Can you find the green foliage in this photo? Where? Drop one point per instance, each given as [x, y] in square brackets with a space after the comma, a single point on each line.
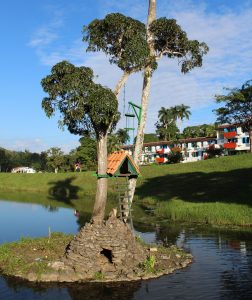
[120, 37]
[32, 255]
[180, 112]
[150, 137]
[171, 41]
[122, 136]
[237, 106]
[11, 159]
[205, 130]
[99, 275]
[175, 156]
[125, 41]
[149, 264]
[83, 105]
[86, 153]
[55, 159]
[212, 151]
[166, 126]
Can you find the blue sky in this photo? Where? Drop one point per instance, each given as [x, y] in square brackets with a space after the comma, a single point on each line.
[37, 34]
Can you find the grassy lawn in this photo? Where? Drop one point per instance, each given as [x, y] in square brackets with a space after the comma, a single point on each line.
[216, 191]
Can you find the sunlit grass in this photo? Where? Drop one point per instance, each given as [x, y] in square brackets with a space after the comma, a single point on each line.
[216, 191]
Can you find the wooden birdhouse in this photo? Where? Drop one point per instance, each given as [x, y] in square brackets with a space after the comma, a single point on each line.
[121, 164]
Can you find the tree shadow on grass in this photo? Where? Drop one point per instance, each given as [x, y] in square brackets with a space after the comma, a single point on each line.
[64, 190]
[228, 187]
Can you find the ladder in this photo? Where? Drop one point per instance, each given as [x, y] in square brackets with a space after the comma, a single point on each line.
[124, 205]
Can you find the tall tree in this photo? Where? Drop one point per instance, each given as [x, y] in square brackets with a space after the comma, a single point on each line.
[83, 106]
[181, 112]
[166, 126]
[237, 108]
[134, 47]
[165, 38]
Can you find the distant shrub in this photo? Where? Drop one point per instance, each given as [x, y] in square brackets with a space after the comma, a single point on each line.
[213, 151]
[175, 156]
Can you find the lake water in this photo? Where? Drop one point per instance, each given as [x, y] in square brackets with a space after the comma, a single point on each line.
[222, 267]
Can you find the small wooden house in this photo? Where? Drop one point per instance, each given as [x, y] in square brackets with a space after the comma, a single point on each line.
[121, 164]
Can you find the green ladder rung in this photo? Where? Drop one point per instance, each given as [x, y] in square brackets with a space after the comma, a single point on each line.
[130, 115]
[129, 128]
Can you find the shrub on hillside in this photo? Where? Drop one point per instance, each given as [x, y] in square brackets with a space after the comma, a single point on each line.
[213, 151]
[175, 156]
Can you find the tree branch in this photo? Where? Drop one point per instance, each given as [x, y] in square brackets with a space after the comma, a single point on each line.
[120, 83]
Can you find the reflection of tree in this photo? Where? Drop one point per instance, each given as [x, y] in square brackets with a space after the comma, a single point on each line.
[73, 291]
[122, 291]
[236, 284]
[50, 208]
[64, 190]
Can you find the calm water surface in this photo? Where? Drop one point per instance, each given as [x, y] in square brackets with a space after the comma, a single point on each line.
[222, 267]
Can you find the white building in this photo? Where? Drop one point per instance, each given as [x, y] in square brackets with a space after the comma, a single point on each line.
[193, 149]
[23, 170]
[229, 136]
[232, 138]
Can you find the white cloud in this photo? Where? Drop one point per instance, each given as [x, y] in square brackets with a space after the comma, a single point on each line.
[36, 145]
[31, 144]
[229, 62]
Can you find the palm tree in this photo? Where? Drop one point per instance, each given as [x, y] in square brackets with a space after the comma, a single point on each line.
[181, 112]
[166, 118]
[122, 136]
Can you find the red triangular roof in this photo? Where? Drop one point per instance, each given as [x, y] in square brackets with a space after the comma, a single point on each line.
[115, 159]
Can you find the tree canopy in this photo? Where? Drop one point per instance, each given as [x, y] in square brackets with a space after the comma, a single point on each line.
[204, 130]
[120, 37]
[83, 105]
[124, 39]
[237, 107]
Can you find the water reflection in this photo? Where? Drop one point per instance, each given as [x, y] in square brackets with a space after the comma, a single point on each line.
[222, 267]
[64, 190]
[93, 291]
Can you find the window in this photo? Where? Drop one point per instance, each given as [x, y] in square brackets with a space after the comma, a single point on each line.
[245, 140]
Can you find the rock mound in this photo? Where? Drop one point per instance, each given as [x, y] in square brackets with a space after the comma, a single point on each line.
[107, 248]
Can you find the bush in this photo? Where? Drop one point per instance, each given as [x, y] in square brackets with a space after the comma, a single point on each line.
[175, 156]
[212, 151]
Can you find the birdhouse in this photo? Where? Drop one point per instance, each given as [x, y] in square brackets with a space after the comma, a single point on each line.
[121, 164]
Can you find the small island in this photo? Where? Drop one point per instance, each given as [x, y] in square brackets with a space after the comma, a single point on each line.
[109, 252]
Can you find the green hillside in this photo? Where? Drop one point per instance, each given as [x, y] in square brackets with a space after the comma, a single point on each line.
[216, 191]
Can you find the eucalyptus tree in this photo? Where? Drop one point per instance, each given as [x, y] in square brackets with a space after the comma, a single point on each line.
[237, 108]
[83, 106]
[134, 47]
[165, 38]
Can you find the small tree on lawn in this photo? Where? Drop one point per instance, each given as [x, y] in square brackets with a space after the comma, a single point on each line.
[237, 108]
[55, 159]
[83, 106]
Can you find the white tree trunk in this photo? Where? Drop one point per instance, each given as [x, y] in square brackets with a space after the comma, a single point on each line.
[145, 97]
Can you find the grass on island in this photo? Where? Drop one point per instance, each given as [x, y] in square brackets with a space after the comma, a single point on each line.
[32, 255]
[215, 191]
[29, 258]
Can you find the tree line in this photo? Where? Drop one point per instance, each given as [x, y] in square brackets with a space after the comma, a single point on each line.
[55, 160]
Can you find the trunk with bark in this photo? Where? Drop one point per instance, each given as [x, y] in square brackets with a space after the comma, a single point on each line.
[102, 182]
[145, 97]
